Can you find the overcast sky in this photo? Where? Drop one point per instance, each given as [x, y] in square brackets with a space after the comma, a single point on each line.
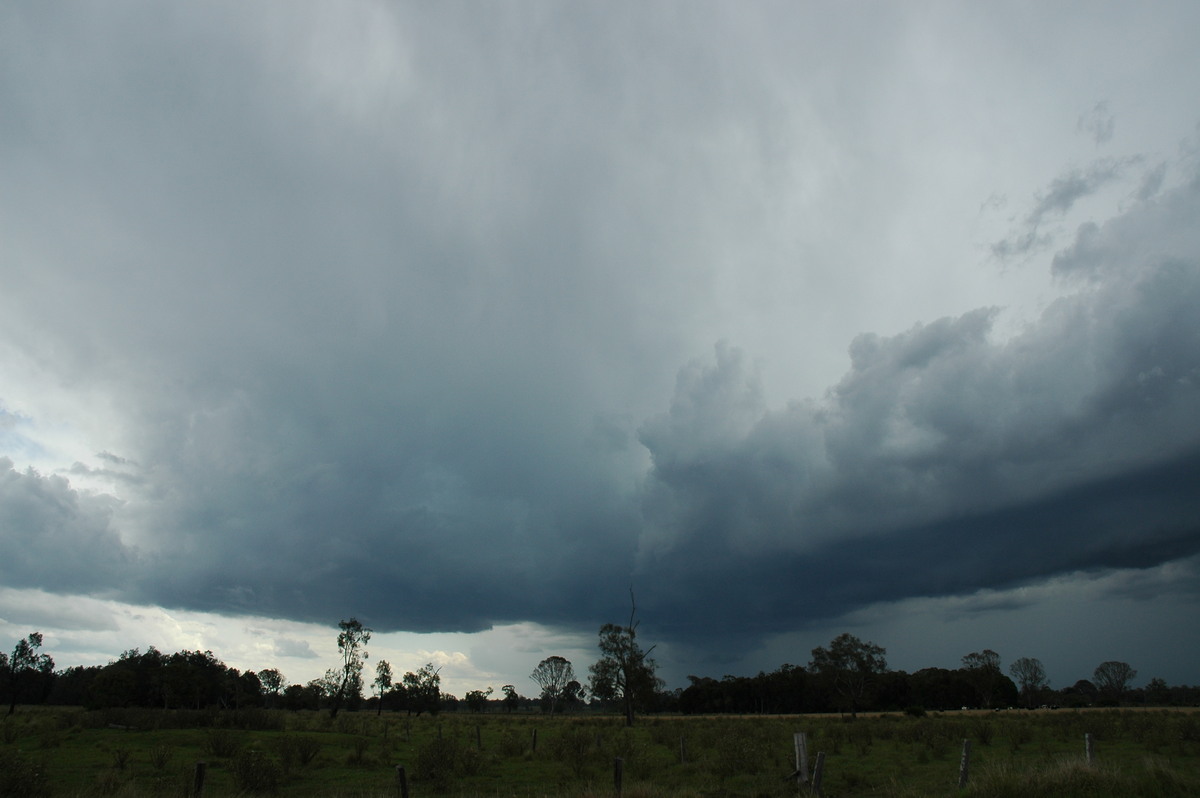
[463, 319]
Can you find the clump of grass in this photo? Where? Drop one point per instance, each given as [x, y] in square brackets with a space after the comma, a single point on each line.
[1018, 735]
[160, 756]
[221, 743]
[359, 755]
[120, 758]
[1074, 777]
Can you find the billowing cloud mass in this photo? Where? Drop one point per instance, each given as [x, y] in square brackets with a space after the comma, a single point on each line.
[454, 317]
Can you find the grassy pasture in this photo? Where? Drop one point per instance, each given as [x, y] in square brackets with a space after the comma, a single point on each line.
[138, 753]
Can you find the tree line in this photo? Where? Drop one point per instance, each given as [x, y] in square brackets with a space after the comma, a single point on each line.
[849, 676]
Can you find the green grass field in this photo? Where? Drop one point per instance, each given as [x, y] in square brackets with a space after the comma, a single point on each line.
[62, 752]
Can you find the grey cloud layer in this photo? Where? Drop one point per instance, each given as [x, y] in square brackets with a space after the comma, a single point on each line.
[944, 462]
[386, 324]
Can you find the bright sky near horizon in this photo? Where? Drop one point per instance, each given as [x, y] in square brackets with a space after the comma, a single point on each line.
[462, 319]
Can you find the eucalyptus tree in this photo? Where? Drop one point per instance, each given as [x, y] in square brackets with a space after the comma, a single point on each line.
[423, 689]
[273, 683]
[553, 674]
[624, 671]
[983, 671]
[346, 682]
[383, 681]
[24, 662]
[1113, 678]
[1030, 676]
[851, 666]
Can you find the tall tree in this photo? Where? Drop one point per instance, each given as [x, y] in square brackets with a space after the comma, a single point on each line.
[347, 682]
[512, 699]
[1030, 676]
[1112, 678]
[983, 671]
[852, 666]
[24, 662]
[624, 671]
[273, 683]
[477, 699]
[383, 681]
[553, 674]
[424, 689]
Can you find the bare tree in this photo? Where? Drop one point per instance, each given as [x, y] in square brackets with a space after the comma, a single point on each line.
[1030, 677]
[553, 674]
[1113, 678]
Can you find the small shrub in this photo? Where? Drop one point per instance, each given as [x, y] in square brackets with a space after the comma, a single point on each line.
[442, 759]
[51, 739]
[120, 757]
[109, 782]
[915, 712]
[1020, 734]
[22, 776]
[160, 756]
[573, 748]
[221, 743]
[8, 731]
[511, 743]
[359, 755]
[254, 771]
[296, 750]
[435, 761]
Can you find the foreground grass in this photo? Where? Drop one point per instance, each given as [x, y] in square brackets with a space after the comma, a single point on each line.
[137, 753]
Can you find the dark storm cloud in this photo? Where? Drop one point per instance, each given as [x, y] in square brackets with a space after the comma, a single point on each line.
[945, 462]
[383, 309]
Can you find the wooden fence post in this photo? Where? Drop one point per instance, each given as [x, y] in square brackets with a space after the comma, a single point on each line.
[478, 738]
[1089, 748]
[198, 779]
[402, 781]
[964, 766]
[618, 773]
[818, 772]
[682, 752]
[535, 739]
[800, 744]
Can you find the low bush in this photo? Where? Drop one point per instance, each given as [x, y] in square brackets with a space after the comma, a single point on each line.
[255, 772]
[443, 759]
[296, 750]
[221, 743]
[20, 775]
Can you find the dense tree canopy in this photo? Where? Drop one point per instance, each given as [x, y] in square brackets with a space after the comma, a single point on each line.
[851, 665]
[848, 675]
